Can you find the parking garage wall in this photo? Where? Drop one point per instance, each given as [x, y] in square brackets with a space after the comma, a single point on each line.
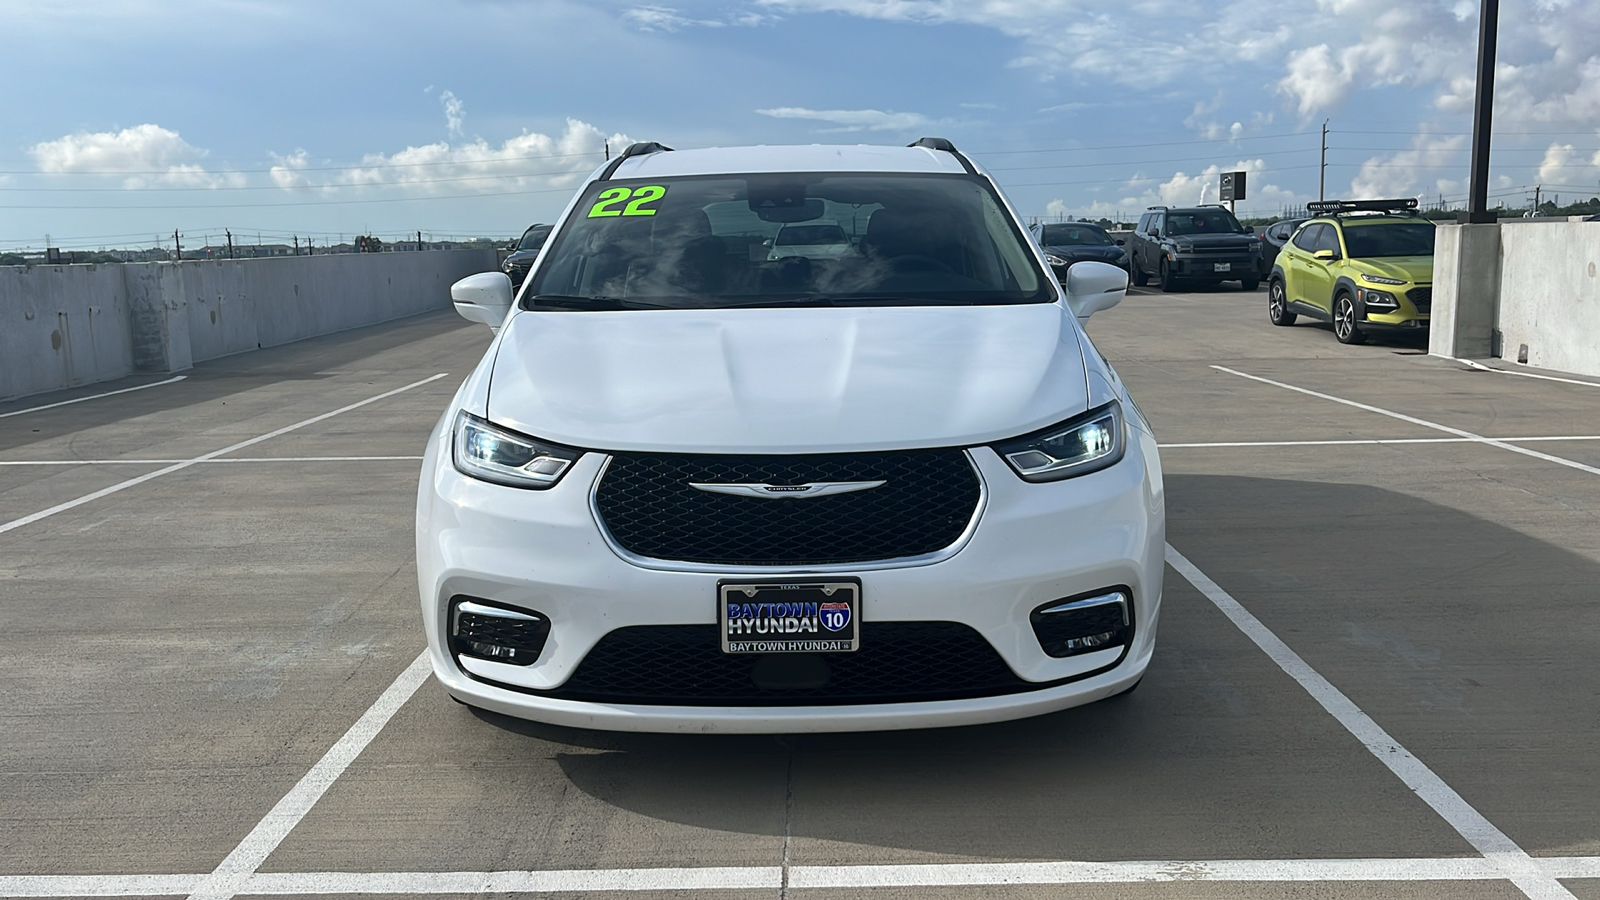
[62, 326]
[1549, 311]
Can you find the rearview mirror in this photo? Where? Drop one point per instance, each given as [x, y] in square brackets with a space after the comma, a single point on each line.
[1093, 286]
[484, 298]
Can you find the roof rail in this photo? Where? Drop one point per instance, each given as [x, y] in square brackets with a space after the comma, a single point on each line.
[939, 143]
[1338, 207]
[639, 149]
[1157, 207]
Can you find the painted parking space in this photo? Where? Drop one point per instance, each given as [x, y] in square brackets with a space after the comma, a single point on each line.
[243, 619]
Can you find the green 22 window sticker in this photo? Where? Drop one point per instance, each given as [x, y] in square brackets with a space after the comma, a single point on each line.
[640, 196]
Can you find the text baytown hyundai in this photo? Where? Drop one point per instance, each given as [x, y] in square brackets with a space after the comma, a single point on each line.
[698, 486]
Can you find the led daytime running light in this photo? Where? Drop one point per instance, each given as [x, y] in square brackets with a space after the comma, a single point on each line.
[493, 454]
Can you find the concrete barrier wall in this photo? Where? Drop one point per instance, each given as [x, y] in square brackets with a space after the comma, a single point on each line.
[67, 325]
[1550, 295]
[62, 325]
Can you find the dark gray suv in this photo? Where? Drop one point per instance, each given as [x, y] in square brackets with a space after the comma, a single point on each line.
[1193, 245]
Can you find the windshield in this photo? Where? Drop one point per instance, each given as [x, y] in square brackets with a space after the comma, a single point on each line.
[851, 239]
[1071, 235]
[534, 238]
[1209, 222]
[1389, 239]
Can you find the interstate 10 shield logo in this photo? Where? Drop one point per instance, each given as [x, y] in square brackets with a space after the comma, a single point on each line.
[834, 616]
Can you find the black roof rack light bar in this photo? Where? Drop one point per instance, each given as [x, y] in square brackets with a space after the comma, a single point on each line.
[640, 149]
[1334, 207]
[939, 143]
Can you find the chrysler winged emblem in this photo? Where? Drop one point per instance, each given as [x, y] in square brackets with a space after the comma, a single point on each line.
[789, 491]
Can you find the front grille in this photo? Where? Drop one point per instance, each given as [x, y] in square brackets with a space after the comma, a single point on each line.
[684, 665]
[928, 498]
[1219, 251]
[1421, 298]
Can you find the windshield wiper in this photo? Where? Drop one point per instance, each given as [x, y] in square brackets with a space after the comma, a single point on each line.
[829, 300]
[565, 301]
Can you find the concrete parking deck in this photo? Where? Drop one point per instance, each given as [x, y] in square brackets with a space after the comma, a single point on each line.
[1376, 674]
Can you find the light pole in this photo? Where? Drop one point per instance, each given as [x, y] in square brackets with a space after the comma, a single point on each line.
[1482, 114]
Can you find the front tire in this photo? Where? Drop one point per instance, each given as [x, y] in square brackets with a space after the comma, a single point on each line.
[1136, 273]
[1278, 304]
[1345, 328]
[1169, 282]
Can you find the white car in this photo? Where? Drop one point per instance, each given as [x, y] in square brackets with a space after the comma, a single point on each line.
[814, 240]
[692, 489]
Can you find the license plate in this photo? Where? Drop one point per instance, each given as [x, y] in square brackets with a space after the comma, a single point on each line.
[1223, 267]
[789, 616]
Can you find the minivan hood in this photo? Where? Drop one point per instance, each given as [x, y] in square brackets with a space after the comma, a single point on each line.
[787, 380]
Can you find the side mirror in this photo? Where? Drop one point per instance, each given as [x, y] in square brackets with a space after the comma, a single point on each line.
[484, 298]
[1325, 254]
[1093, 286]
[1121, 242]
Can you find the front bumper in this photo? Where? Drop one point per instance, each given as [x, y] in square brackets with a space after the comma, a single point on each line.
[1204, 265]
[545, 552]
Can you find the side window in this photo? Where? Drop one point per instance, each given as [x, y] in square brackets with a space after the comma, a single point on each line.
[1279, 231]
[1329, 239]
[1156, 221]
[1144, 224]
[1307, 238]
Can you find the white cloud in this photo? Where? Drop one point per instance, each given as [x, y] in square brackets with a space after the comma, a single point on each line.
[1398, 175]
[147, 154]
[455, 112]
[666, 18]
[1183, 189]
[528, 161]
[852, 119]
[289, 171]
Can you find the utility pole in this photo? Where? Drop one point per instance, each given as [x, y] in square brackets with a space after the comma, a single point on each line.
[1322, 170]
[177, 247]
[297, 245]
[607, 145]
[419, 239]
[1482, 115]
[229, 233]
[1537, 190]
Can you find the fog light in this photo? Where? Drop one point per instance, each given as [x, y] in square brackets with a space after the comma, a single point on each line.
[495, 633]
[1086, 623]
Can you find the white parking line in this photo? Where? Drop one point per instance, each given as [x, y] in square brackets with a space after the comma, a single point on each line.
[1511, 860]
[230, 459]
[207, 457]
[599, 881]
[232, 874]
[1482, 367]
[1360, 441]
[18, 412]
[1476, 438]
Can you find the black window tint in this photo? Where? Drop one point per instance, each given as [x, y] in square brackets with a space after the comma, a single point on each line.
[705, 242]
[1390, 239]
[1328, 239]
[1307, 238]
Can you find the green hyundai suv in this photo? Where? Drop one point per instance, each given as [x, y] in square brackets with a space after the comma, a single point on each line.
[1364, 265]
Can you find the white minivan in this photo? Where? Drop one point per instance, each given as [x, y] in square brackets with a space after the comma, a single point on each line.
[694, 488]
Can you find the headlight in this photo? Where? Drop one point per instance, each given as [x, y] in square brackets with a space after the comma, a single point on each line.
[486, 452]
[1083, 444]
[1054, 260]
[1379, 279]
[507, 266]
[1378, 298]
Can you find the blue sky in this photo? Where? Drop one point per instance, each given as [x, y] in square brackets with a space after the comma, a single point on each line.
[465, 117]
